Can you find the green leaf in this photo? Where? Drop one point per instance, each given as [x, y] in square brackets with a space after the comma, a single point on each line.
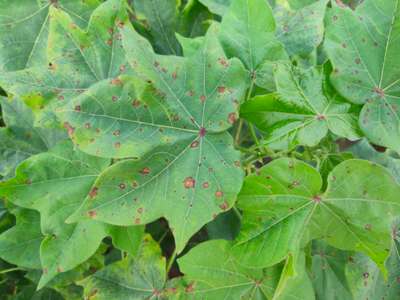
[162, 19]
[76, 60]
[16, 145]
[55, 183]
[301, 31]
[194, 19]
[187, 170]
[328, 271]
[301, 112]
[135, 277]
[283, 208]
[24, 27]
[219, 7]
[248, 33]
[20, 244]
[211, 272]
[388, 159]
[362, 46]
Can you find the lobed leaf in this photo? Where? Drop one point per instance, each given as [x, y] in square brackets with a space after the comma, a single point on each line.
[284, 209]
[362, 46]
[186, 168]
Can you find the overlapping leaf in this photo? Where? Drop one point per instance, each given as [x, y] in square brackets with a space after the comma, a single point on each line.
[301, 112]
[248, 33]
[20, 244]
[284, 208]
[21, 138]
[55, 183]
[302, 30]
[24, 27]
[76, 60]
[187, 170]
[162, 19]
[218, 7]
[135, 277]
[364, 50]
[211, 272]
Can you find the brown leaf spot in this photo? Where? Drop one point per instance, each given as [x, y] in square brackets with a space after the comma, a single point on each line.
[224, 206]
[92, 213]
[189, 182]
[140, 210]
[202, 132]
[379, 92]
[219, 194]
[117, 145]
[93, 192]
[202, 98]
[205, 185]
[116, 81]
[232, 118]
[87, 125]
[69, 128]
[357, 61]
[137, 221]
[117, 132]
[145, 171]
[221, 89]
[136, 103]
[77, 108]
[114, 98]
[317, 199]
[122, 186]
[194, 144]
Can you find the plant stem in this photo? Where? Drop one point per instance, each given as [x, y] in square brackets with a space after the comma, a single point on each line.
[171, 260]
[11, 270]
[237, 212]
[240, 126]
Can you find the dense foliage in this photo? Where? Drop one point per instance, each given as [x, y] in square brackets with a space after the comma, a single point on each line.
[200, 149]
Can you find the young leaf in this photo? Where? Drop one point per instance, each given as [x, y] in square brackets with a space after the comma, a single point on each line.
[362, 46]
[20, 244]
[187, 170]
[76, 60]
[135, 277]
[248, 32]
[24, 27]
[299, 113]
[283, 209]
[301, 31]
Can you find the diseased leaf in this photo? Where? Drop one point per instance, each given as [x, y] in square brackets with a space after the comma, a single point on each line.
[211, 272]
[388, 159]
[135, 277]
[364, 50]
[24, 27]
[328, 271]
[162, 20]
[301, 112]
[21, 139]
[76, 60]
[55, 183]
[248, 33]
[301, 31]
[20, 244]
[187, 171]
[283, 208]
